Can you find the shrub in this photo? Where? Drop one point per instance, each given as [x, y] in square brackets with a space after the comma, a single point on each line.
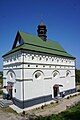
[57, 101]
[52, 103]
[42, 107]
[78, 90]
[68, 97]
[75, 95]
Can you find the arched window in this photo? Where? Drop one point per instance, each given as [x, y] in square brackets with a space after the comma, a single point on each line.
[11, 75]
[55, 74]
[68, 73]
[38, 75]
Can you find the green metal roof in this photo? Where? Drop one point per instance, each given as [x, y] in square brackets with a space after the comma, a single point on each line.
[34, 40]
[34, 43]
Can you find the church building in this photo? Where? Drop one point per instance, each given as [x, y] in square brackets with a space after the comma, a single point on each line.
[37, 70]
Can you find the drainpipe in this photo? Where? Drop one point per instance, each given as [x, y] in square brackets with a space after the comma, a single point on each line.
[75, 74]
[23, 80]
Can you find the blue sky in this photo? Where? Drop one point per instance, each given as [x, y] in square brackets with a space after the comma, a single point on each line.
[62, 18]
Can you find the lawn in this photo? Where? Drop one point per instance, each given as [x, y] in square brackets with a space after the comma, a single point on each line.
[72, 113]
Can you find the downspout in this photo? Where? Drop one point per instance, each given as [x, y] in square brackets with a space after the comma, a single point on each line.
[23, 79]
[75, 77]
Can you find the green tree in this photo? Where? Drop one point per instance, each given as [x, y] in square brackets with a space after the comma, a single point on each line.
[77, 76]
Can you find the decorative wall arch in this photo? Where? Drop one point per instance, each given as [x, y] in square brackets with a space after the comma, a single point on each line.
[10, 76]
[11, 71]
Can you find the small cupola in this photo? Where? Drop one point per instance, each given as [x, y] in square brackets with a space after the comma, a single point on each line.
[42, 31]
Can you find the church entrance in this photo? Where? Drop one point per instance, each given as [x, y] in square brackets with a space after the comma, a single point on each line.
[10, 92]
[9, 89]
[55, 90]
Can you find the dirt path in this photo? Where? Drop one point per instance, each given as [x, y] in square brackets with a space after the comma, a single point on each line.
[45, 112]
[60, 107]
[9, 116]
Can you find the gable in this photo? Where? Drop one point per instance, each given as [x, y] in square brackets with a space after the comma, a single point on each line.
[18, 41]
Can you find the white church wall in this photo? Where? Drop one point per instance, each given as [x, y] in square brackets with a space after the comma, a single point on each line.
[4, 73]
[18, 73]
[18, 90]
[39, 62]
[47, 86]
[34, 88]
[67, 81]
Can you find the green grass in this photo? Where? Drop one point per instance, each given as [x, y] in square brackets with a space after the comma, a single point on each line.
[72, 113]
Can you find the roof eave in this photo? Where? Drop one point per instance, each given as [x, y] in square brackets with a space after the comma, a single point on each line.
[72, 57]
[11, 52]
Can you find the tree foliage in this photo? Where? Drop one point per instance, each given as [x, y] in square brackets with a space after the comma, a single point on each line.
[77, 76]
